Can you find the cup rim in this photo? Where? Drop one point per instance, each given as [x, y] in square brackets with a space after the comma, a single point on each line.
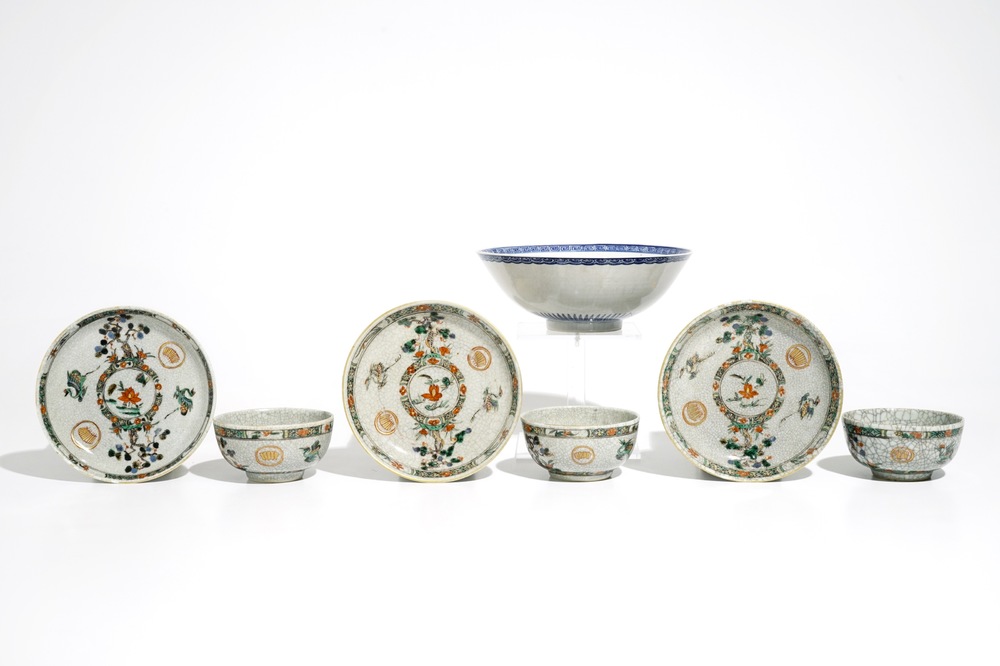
[625, 417]
[853, 418]
[309, 418]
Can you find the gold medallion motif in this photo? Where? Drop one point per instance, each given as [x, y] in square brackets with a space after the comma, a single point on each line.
[480, 358]
[582, 455]
[86, 435]
[902, 454]
[386, 422]
[694, 413]
[270, 455]
[171, 355]
[798, 357]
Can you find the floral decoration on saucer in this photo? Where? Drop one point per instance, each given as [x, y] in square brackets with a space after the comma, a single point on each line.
[750, 391]
[125, 395]
[432, 391]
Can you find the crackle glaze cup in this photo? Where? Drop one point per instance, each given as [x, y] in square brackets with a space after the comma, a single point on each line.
[580, 442]
[274, 445]
[902, 444]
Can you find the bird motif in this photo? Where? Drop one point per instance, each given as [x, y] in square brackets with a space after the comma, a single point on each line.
[691, 365]
[311, 453]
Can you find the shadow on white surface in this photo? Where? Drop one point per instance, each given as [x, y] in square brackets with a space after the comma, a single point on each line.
[352, 460]
[219, 470]
[46, 464]
[529, 469]
[664, 459]
[848, 466]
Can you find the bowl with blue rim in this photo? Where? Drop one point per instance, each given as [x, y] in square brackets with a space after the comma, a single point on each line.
[585, 288]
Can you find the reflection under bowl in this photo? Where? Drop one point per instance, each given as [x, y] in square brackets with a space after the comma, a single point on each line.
[584, 288]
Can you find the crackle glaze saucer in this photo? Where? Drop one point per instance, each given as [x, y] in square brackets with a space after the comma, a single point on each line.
[750, 391]
[125, 395]
[432, 391]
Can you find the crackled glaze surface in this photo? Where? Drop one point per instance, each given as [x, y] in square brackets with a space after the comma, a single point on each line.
[580, 443]
[432, 391]
[902, 444]
[125, 395]
[273, 445]
[750, 391]
[584, 288]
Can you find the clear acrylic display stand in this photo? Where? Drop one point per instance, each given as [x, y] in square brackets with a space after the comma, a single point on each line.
[580, 356]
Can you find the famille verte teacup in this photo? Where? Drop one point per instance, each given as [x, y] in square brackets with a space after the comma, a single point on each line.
[580, 443]
[902, 444]
[273, 445]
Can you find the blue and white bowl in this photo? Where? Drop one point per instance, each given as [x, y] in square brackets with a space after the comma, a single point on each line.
[584, 288]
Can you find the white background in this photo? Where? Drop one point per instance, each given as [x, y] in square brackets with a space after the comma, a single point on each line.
[275, 175]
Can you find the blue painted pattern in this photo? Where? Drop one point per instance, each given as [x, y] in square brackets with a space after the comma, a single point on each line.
[527, 254]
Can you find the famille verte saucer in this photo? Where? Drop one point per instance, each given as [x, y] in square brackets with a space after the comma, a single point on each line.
[125, 395]
[432, 391]
[750, 391]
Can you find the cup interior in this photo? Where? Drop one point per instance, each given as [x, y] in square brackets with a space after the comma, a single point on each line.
[902, 419]
[578, 416]
[277, 418]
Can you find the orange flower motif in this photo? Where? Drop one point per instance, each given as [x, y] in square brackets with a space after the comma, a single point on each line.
[158, 386]
[715, 386]
[453, 368]
[722, 409]
[759, 429]
[419, 354]
[423, 431]
[444, 351]
[748, 355]
[748, 391]
[44, 410]
[770, 412]
[156, 408]
[423, 308]
[433, 393]
[350, 400]
[456, 410]
[743, 419]
[402, 390]
[462, 389]
[434, 422]
[916, 435]
[145, 367]
[129, 396]
[410, 370]
[737, 349]
[303, 432]
[449, 427]
[412, 412]
[781, 390]
[434, 360]
[763, 347]
[612, 432]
